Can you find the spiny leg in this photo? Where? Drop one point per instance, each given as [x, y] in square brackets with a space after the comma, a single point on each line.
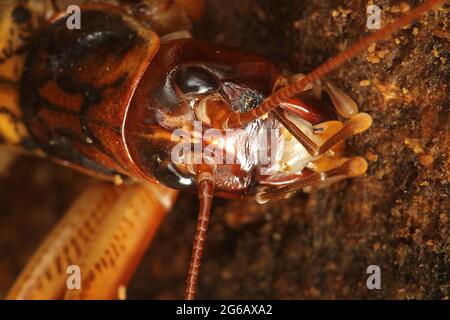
[44, 275]
[121, 241]
[352, 167]
[344, 105]
[205, 181]
[310, 146]
[357, 124]
[309, 107]
[105, 233]
[326, 168]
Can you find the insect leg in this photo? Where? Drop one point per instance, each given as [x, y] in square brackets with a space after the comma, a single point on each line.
[310, 146]
[120, 242]
[205, 194]
[357, 124]
[352, 167]
[104, 233]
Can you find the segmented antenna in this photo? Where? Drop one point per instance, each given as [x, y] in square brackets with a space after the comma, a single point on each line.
[239, 119]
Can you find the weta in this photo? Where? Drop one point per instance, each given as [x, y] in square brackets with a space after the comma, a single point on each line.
[132, 99]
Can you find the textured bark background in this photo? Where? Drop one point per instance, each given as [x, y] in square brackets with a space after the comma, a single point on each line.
[310, 246]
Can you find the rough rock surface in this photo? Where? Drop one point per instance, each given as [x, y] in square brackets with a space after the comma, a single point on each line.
[310, 246]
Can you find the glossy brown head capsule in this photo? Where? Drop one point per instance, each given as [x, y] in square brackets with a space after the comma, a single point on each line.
[186, 85]
[182, 76]
[108, 99]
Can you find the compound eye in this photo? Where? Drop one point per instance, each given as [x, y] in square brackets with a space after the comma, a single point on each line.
[195, 80]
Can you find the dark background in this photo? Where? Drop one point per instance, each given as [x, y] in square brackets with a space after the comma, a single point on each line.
[310, 246]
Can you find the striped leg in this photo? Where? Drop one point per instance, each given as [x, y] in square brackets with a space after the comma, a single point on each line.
[105, 233]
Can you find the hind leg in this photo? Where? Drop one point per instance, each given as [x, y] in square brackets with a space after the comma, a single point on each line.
[105, 233]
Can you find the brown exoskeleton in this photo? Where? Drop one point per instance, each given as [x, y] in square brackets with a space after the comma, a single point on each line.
[107, 99]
